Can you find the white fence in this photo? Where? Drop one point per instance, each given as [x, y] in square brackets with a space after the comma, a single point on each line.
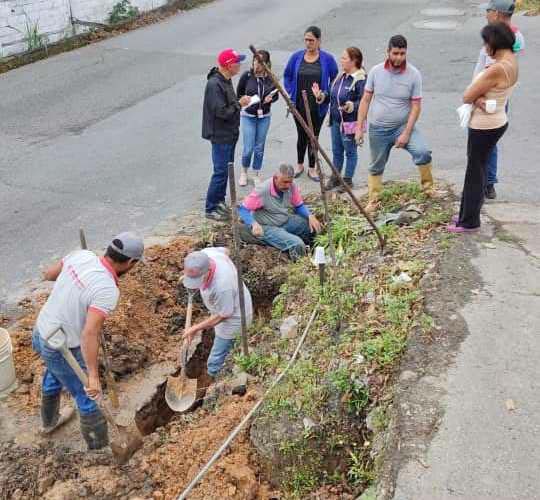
[51, 19]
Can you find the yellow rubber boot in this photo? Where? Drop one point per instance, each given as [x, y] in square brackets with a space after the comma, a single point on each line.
[426, 178]
[374, 192]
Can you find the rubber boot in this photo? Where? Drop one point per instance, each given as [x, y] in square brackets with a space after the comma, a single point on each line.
[50, 412]
[426, 179]
[94, 430]
[374, 192]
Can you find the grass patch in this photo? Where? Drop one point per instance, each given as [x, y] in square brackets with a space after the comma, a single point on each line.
[530, 6]
[353, 347]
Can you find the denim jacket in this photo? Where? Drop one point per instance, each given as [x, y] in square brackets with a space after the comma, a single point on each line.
[346, 88]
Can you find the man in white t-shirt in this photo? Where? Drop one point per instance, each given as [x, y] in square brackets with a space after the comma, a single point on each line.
[212, 272]
[497, 11]
[84, 294]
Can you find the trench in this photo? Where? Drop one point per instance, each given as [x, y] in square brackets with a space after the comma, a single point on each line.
[153, 411]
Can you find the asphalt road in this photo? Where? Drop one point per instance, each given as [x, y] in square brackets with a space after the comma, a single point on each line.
[108, 137]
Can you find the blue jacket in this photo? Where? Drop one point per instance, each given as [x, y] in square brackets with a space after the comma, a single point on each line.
[352, 90]
[329, 71]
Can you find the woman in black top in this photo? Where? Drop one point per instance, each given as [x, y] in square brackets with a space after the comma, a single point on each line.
[308, 70]
[255, 118]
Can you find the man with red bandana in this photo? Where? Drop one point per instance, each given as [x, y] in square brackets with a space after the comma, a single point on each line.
[393, 97]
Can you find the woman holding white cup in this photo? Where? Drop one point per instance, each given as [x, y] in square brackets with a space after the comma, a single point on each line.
[488, 93]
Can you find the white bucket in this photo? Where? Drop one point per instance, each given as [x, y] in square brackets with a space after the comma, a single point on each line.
[8, 380]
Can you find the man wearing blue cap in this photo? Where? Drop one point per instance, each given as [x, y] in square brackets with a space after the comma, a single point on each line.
[497, 11]
[212, 272]
[84, 294]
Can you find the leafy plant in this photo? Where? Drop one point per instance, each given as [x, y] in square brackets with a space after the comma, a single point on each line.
[34, 39]
[255, 363]
[357, 474]
[384, 348]
[354, 392]
[122, 11]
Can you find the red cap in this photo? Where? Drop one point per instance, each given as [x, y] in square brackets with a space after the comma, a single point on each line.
[230, 56]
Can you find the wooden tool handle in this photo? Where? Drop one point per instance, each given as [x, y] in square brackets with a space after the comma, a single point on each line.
[189, 311]
[84, 379]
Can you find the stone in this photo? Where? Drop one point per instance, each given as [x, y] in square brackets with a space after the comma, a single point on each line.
[17, 494]
[23, 389]
[239, 384]
[45, 483]
[289, 327]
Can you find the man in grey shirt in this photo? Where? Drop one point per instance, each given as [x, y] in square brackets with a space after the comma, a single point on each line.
[497, 11]
[393, 96]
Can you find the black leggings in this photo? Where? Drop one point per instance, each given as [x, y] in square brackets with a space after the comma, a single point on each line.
[479, 147]
[303, 141]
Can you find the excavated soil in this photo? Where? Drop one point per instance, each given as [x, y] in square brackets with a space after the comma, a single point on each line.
[143, 333]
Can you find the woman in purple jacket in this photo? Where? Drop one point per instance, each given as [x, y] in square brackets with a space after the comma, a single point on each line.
[345, 95]
[310, 69]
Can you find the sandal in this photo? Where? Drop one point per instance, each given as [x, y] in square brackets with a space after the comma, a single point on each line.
[298, 173]
[314, 178]
[452, 228]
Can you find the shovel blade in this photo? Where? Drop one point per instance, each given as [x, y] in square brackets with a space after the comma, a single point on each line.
[181, 393]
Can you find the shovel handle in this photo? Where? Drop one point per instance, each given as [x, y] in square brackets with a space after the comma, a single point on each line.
[84, 379]
[189, 312]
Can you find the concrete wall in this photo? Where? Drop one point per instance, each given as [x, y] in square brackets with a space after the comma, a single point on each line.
[52, 18]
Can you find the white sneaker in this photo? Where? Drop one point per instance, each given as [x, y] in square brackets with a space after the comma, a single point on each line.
[257, 179]
[243, 179]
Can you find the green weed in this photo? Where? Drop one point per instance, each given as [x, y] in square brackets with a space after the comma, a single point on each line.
[354, 392]
[255, 363]
[357, 474]
[122, 11]
[385, 348]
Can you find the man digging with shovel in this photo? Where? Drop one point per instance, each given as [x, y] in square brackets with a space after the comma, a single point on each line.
[84, 293]
[212, 272]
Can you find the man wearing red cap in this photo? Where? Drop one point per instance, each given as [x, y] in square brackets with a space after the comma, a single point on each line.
[221, 125]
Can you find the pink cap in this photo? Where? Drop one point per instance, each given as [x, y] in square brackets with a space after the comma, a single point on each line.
[230, 56]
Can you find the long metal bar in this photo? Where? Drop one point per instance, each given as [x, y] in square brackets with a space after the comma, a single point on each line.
[236, 258]
[320, 173]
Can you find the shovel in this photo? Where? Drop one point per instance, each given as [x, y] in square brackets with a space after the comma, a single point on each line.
[127, 442]
[109, 377]
[181, 392]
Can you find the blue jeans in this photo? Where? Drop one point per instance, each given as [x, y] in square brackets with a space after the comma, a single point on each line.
[292, 237]
[344, 146]
[59, 374]
[492, 166]
[381, 141]
[222, 155]
[216, 359]
[254, 131]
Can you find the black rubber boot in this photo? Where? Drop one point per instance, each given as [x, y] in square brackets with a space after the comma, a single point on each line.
[50, 411]
[94, 430]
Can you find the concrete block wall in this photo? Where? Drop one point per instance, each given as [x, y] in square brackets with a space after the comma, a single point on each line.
[52, 18]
